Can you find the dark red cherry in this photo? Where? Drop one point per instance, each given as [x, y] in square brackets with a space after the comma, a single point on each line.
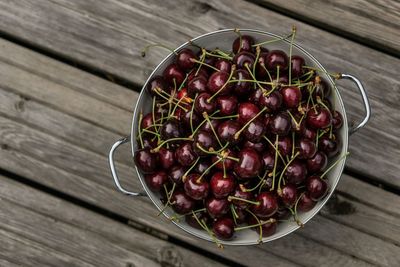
[197, 85]
[175, 174]
[261, 73]
[267, 206]
[308, 133]
[207, 126]
[317, 188]
[206, 140]
[249, 164]
[166, 158]
[273, 101]
[243, 59]
[148, 123]
[181, 203]
[202, 166]
[186, 59]
[317, 163]
[243, 43]
[298, 63]
[227, 105]
[282, 79]
[223, 65]
[201, 216]
[255, 131]
[201, 72]
[291, 96]
[281, 124]
[258, 146]
[306, 148]
[223, 228]
[289, 195]
[217, 207]
[173, 72]
[241, 193]
[158, 83]
[318, 118]
[275, 59]
[246, 112]
[155, 181]
[331, 147]
[146, 161]
[285, 146]
[149, 143]
[201, 104]
[305, 202]
[222, 186]
[170, 129]
[268, 117]
[255, 96]
[241, 87]
[186, 116]
[196, 187]
[218, 80]
[185, 154]
[337, 120]
[296, 172]
[227, 131]
[267, 228]
[228, 163]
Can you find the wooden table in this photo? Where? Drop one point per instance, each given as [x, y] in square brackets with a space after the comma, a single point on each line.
[69, 76]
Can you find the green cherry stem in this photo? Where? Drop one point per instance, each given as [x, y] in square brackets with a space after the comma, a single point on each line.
[276, 148]
[273, 40]
[224, 117]
[334, 164]
[237, 134]
[290, 53]
[275, 163]
[191, 114]
[155, 150]
[230, 198]
[139, 129]
[189, 170]
[205, 64]
[233, 68]
[169, 196]
[246, 65]
[205, 116]
[279, 191]
[205, 228]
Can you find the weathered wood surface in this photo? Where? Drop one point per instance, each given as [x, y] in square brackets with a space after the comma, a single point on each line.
[31, 148]
[373, 22]
[108, 35]
[39, 229]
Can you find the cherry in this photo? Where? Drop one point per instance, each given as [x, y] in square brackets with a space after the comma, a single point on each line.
[268, 205]
[317, 163]
[228, 163]
[317, 187]
[275, 59]
[148, 123]
[186, 59]
[296, 172]
[175, 174]
[337, 120]
[173, 72]
[202, 166]
[249, 164]
[298, 63]
[222, 186]
[166, 158]
[217, 80]
[243, 43]
[241, 193]
[223, 65]
[318, 118]
[267, 228]
[255, 96]
[227, 131]
[305, 202]
[223, 228]
[273, 101]
[246, 112]
[201, 104]
[217, 207]
[244, 58]
[170, 129]
[241, 87]
[201, 216]
[207, 126]
[186, 116]
[149, 143]
[227, 105]
[185, 154]
[155, 181]
[206, 140]
[196, 187]
[285, 145]
[281, 124]
[197, 85]
[289, 195]
[145, 160]
[181, 203]
[306, 148]
[254, 131]
[291, 96]
[308, 133]
[258, 146]
[156, 83]
[330, 146]
[260, 70]
[282, 79]
[241, 215]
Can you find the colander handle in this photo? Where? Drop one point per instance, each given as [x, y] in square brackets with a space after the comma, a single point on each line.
[114, 171]
[365, 100]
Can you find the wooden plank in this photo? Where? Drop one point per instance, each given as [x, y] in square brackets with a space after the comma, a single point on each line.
[97, 26]
[67, 229]
[371, 22]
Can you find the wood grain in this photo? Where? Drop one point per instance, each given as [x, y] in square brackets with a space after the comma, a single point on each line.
[67, 229]
[376, 22]
[97, 26]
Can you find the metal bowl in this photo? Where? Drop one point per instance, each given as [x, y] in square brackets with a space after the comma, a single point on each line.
[223, 39]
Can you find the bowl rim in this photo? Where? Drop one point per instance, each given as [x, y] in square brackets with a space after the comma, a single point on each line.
[341, 165]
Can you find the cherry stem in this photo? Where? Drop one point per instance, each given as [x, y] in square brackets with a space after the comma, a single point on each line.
[230, 198]
[139, 129]
[276, 148]
[293, 142]
[254, 78]
[279, 191]
[154, 117]
[202, 58]
[205, 116]
[336, 76]
[334, 164]
[204, 226]
[271, 220]
[266, 70]
[290, 53]
[237, 31]
[233, 68]
[205, 64]
[259, 223]
[237, 134]
[169, 195]
[275, 163]
[261, 182]
[273, 40]
[191, 115]
[224, 117]
[235, 215]
[258, 50]
[189, 170]
[154, 150]
[175, 217]
[218, 56]
[147, 48]
[170, 99]
[209, 168]
[201, 124]
[295, 211]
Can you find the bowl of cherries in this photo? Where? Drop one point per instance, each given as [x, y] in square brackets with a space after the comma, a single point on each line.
[239, 136]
